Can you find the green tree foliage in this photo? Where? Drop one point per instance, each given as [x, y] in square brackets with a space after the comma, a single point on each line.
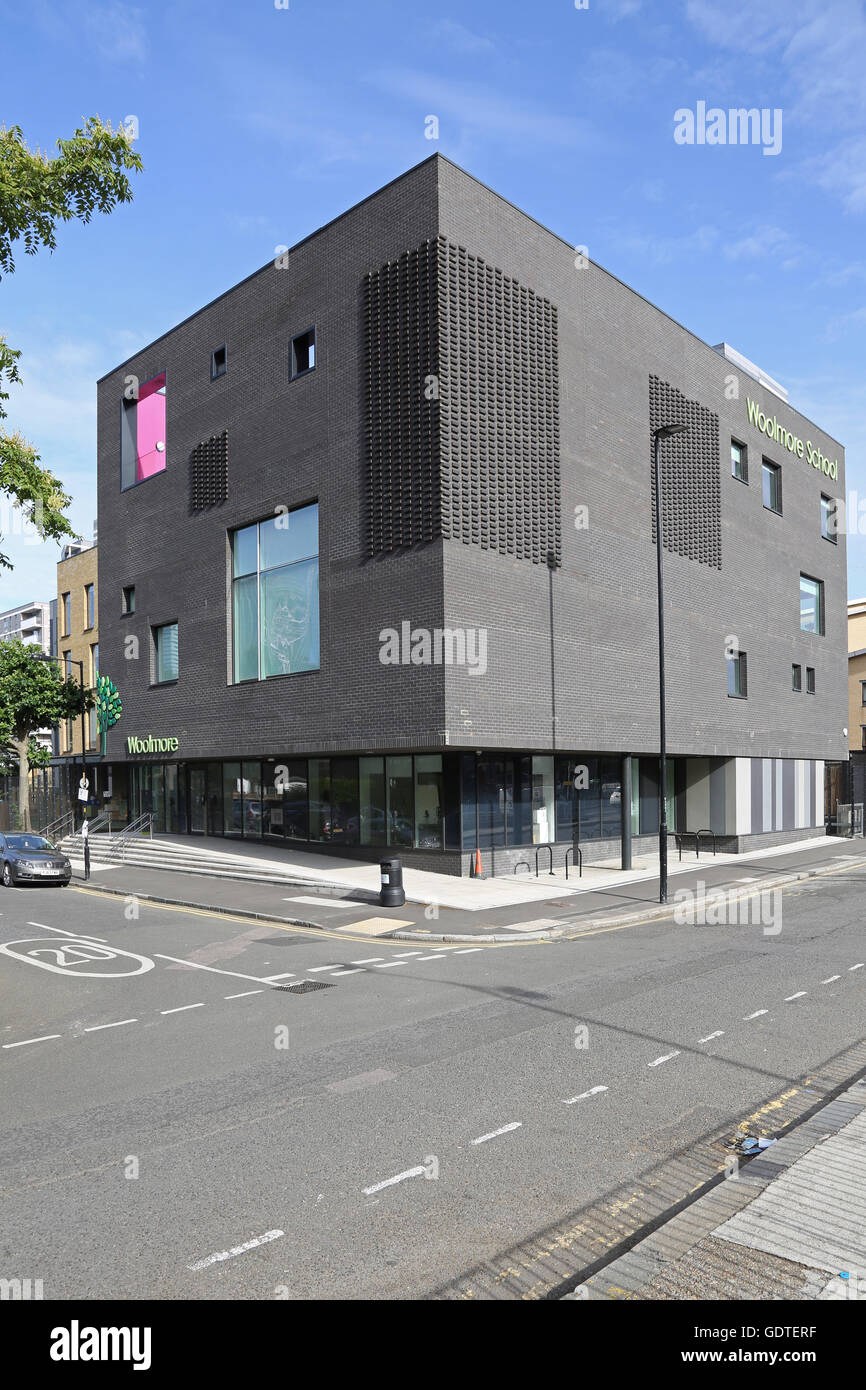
[33, 695]
[37, 191]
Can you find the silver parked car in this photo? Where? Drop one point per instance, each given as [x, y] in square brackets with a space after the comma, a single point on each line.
[26, 857]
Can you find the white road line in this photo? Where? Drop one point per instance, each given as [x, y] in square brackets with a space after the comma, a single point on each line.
[311, 970]
[289, 975]
[584, 1095]
[389, 1182]
[756, 1014]
[326, 902]
[182, 1009]
[194, 965]
[506, 1129]
[468, 950]
[830, 980]
[402, 955]
[79, 936]
[389, 963]
[420, 958]
[856, 967]
[236, 1250]
[371, 960]
[798, 995]
[710, 1036]
[246, 994]
[98, 1027]
[667, 1057]
[27, 1041]
[357, 971]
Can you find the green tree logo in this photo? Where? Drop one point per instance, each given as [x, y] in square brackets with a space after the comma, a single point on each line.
[109, 706]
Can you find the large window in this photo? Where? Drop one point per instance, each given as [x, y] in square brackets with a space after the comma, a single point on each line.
[275, 596]
[66, 604]
[739, 461]
[165, 653]
[94, 662]
[811, 605]
[142, 433]
[428, 801]
[796, 677]
[398, 791]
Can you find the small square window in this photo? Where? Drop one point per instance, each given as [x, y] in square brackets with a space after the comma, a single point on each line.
[796, 677]
[739, 461]
[863, 692]
[128, 599]
[810, 680]
[771, 478]
[218, 363]
[863, 735]
[737, 681]
[303, 353]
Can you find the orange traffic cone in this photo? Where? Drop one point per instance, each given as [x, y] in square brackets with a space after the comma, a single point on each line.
[478, 869]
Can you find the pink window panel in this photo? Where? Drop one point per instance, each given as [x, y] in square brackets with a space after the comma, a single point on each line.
[150, 450]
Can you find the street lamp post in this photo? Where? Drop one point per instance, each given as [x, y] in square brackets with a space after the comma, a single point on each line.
[66, 662]
[659, 433]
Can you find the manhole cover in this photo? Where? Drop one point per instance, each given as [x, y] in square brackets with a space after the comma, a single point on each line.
[304, 987]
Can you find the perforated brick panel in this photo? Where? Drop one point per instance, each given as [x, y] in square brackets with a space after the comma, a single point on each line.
[209, 472]
[462, 407]
[402, 412]
[690, 475]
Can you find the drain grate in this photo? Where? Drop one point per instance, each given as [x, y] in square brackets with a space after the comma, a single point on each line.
[304, 987]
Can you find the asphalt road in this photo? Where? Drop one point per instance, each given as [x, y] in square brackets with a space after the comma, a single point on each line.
[191, 1128]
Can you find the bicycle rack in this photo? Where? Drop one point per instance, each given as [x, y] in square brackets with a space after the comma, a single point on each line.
[549, 849]
[574, 849]
[699, 833]
[680, 835]
[523, 864]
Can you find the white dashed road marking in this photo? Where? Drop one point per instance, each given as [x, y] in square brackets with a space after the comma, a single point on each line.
[494, 1134]
[831, 979]
[756, 1014]
[245, 995]
[389, 1182]
[98, 1027]
[856, 967]
[194, 965]
[666, 1058]
[181, 1009]
[798, 995]
[584, 1095]
[357, 971]
[710, 1036]
[371, 960]
[26, 1041]
[236, 1250]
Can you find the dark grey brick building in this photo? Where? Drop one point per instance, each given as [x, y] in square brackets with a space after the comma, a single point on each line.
[377, 554]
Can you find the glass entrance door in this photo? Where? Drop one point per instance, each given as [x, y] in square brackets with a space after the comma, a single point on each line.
[197, 800]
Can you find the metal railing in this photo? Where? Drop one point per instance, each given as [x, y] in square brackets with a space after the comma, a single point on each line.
[59, 828]
[680, 835]
[711, 834]
[142, 825]
[99, 823]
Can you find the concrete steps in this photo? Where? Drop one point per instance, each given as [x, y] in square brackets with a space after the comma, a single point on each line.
[145, 853]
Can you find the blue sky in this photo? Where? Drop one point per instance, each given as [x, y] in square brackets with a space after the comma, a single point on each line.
[258, 124]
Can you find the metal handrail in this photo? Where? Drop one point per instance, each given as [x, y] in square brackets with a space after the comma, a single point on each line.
[574, 849]
[711, 834]
[522, 864]
[97, 823]
[141, 825]
[51, 832]
[549, 849]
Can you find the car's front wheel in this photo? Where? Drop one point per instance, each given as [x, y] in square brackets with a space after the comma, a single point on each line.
[7, 876]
